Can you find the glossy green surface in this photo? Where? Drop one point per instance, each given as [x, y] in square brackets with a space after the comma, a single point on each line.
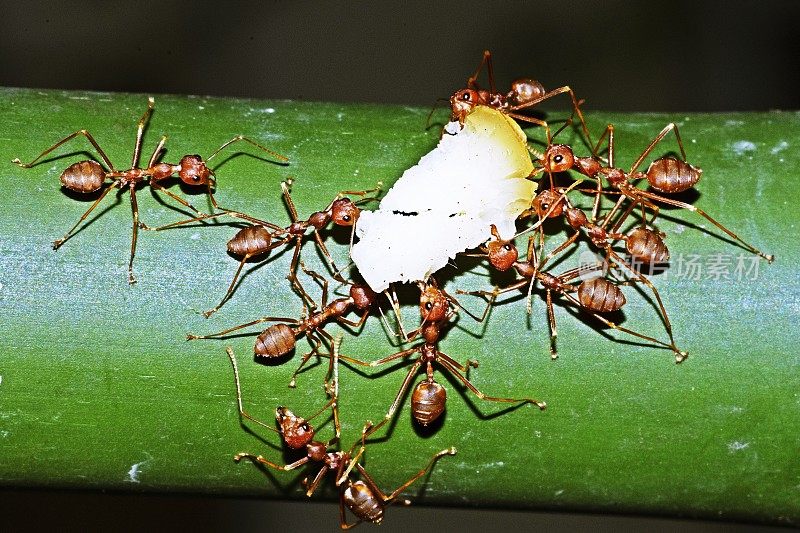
[99, 389]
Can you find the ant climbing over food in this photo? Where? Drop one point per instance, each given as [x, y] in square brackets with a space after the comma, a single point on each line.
[595, 295]
[429, 397]
[89, 176]
[279, 339]
[362, 497]
[524, 94]
[665, 174]
[261, 237]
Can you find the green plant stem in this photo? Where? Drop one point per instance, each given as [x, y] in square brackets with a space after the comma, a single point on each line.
[100, 390]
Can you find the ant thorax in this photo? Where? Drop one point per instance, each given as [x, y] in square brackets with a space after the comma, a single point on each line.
[446, 204]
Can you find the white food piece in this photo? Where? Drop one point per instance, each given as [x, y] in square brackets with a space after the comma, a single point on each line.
[446, 203]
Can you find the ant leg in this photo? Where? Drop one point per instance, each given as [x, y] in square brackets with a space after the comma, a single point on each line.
[261, 460]
[683, 205]
[642, 278]
[137, 148]
[62, 240]
[396, 403]
[551, 319]
[560, 248]
[174, 196]
[496, 292]
[226, 212]
[482, 396]
[315, 345]
[388, 498]
[66, 139]
[242, 412]
[658, 138]
[463, 368]
[312, 487]
[342, 515]
[478, 319]
[135, 232]
[157, 151]
[353, 323]
[238, 138]
[486, 60]
[679, 355]
[216, 308]
[555, 92]
[328, 258]
[191, 337]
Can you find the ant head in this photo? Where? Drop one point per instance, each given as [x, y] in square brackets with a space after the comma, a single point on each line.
[502, 254]
[558, 158]
[526, 90]
[463, 102]
[344, 212]
[544, 202]
[433, 303]
[363, 297]
[194, 171]
[295, 430]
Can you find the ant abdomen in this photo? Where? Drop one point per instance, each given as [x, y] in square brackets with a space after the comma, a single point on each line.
[526, 90]
[361, 501]
[83, 176]
[276, 340]
[647, 246]
[252, 240]
[671, 175]
[428, 401]
[600, 295]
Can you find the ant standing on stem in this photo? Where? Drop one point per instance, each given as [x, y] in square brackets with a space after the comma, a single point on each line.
[362, 497]
[262, 237]
[89, 176]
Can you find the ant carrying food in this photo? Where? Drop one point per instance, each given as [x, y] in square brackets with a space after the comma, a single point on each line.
[362, 497]
[524, 94]
[89, 176]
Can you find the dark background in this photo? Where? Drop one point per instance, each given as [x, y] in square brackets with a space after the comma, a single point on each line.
[686, 55]
[618, 55]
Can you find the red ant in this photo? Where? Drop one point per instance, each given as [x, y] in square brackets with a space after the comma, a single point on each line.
[429, 397]
[666, 174]
[362, 497]
[596, 295]
[525, 93]
[89, 176]
[262, 237]
[279, 339]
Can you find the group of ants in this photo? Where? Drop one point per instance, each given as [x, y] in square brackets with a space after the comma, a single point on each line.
[594, 288]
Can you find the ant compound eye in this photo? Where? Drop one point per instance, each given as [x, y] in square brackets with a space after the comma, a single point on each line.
[196, 177]
[428, 306]
[346, 218]
[507, 247]
[305, 427]
[466, 97]
[558, 158]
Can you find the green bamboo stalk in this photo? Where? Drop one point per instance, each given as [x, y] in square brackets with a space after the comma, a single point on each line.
[99, 390]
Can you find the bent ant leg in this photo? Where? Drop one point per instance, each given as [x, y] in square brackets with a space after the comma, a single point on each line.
[238, 138]
[242, 412]
[260, 459]
[679, 356]
[390, 497]
[486, 60]
[683, 205]
[57, 243]
[371, 428]
[155, 185]
[575, 106]
[453, 370]
[66, 139]
[293, 321]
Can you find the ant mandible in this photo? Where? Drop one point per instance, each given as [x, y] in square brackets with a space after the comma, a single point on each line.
[89, 176]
